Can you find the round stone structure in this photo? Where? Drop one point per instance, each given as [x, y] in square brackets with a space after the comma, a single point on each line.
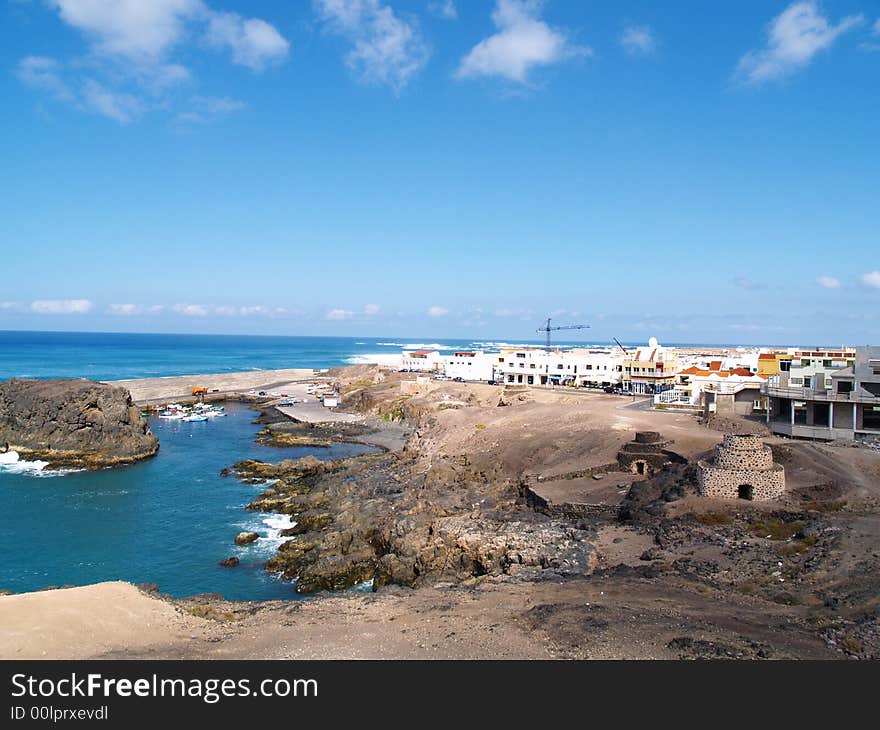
[742, 468]
[645, 454]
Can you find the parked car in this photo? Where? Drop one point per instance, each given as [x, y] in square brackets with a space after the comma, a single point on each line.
[458, 380]
[262, 392]
[493, 382]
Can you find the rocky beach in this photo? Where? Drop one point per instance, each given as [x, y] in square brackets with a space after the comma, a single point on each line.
[499, 522]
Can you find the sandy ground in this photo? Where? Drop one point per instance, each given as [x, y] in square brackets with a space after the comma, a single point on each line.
[87, 621]
[158, 390]
[489, 619]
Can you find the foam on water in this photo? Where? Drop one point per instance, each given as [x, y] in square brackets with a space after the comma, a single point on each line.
[12, 463]
[377, 358]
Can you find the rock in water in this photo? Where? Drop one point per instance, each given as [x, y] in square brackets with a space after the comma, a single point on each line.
[246, 538]
[73, 423]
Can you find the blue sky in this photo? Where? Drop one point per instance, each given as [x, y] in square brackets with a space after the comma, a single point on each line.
[701, 172]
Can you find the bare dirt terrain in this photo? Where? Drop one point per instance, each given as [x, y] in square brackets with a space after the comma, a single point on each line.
[488, 535]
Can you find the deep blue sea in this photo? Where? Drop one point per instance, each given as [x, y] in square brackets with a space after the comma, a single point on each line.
[170, 519]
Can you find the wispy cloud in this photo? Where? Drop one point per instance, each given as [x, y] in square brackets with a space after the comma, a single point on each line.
[793, 38]
[371, 309]
[444, 9]
[204, 109]
[61, 306]
[871, 279]
[130, 65]
[131, 310]
[874, 44]
[41, 72]
[339, 314]
[387, 50]
[828, 282]
[744, 282]
[437, 311]
[191, 310]
[118, 105]
[638, 40]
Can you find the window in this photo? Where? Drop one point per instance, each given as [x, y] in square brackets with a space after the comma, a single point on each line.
[532, 366]
[521, 354]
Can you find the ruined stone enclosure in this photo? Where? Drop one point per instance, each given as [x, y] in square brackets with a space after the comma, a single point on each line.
[742, 468]
[645, 454]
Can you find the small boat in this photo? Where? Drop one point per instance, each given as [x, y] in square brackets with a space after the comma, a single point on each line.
[172, 415]
[194, 417]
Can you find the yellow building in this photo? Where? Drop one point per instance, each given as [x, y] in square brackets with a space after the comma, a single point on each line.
[771, 363]
[650, 369]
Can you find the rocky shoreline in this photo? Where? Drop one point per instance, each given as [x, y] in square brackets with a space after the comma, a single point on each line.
[428, 515]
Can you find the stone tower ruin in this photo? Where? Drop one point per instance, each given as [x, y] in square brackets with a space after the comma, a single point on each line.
[742, 468]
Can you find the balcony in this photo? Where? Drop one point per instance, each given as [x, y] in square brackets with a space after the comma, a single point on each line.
[775, 391]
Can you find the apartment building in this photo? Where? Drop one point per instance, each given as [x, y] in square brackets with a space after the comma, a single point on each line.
[827, 394]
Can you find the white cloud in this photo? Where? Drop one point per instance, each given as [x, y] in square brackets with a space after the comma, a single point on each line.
[140, 31]
[437, 311]
[523, 41]
[638, 40]
[191, 310]
[744, 282]
[9, 306]
[444, 9]
[371, 309]
[130, 68]
[871, 279]
[338, 314]
[44, 73]
[828, 282]
[254, 43]
[387, 50]
[205, 109]
[261, 311]
[61, 306]
[120, 106]
[794, 38]
[131, 310]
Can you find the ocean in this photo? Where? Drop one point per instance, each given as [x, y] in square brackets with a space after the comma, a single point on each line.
[170, 519]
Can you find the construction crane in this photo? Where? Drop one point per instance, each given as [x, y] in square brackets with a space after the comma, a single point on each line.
[547, 329]
[625, 351]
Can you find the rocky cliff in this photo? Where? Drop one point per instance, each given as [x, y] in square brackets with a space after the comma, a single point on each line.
[73, 423]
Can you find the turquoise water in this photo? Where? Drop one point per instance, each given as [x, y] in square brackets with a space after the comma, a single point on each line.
[168, 520]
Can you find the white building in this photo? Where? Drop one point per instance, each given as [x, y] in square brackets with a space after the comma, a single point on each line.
[576, 368]
[421, 360]
[470, 365]
[692, 385]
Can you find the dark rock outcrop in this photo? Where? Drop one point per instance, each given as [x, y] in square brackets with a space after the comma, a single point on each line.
[371, 518]
[73, 423]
